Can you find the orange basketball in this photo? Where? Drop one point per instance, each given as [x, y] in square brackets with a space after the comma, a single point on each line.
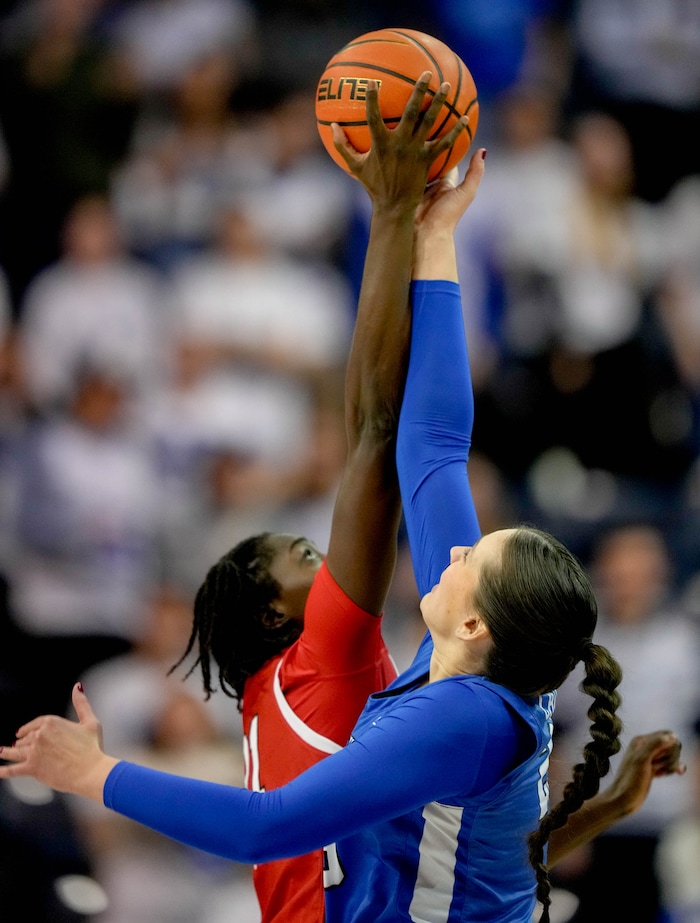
[395, 58]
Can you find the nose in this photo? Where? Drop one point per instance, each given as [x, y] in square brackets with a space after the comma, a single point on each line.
[456, 552]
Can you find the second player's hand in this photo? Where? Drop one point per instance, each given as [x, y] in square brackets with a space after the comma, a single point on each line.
[445, 201]
[443, 204]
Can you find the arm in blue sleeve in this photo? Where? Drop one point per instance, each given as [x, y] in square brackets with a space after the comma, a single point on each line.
[434, 433]
[414, 755]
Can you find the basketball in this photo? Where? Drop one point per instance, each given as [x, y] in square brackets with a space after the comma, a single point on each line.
[395, 58]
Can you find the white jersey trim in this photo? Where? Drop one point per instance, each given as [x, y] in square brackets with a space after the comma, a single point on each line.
[302, 730]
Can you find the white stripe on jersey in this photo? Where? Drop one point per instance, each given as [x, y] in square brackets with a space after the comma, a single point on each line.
[547, 703]
[432, 895]
[324, 744]
[253, 757]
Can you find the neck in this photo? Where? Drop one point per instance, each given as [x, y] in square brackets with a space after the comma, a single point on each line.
[442, 665]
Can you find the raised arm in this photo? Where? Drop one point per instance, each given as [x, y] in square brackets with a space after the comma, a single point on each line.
[437, 413]
[362, 548]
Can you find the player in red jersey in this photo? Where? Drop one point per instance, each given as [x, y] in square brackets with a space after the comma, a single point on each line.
[296, 638]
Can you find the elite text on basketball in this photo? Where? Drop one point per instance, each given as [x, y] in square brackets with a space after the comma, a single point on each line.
[354, 88]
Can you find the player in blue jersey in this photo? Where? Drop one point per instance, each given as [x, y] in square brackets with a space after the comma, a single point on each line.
[433, 801]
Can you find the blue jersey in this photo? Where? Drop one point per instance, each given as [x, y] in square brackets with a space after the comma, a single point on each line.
[461, 853]
[463, 856]
[431, 801]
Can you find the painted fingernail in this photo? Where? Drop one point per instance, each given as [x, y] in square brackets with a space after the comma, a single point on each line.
[80, 687]
[483, 154]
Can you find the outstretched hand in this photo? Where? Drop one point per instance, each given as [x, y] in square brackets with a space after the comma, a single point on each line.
[646, 757]
[395, 169]
[65, 755]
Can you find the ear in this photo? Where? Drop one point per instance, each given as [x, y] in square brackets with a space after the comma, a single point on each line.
[473, 629]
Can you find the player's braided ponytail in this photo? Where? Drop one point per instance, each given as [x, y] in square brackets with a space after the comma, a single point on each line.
[603, 675]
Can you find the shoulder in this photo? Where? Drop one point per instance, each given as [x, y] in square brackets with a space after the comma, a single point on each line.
[473, 708]
[330, 609]
[464, 702]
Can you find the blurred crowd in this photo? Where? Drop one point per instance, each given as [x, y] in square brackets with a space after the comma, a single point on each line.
[179, 267]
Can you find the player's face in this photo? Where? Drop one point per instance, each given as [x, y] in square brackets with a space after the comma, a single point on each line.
[451, 600]
[294, 567]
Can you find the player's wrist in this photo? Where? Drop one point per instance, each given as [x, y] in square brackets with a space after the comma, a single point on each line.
[434, 257]
[402, 212]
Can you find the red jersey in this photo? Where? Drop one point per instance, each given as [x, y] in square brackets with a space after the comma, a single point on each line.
[299, 707]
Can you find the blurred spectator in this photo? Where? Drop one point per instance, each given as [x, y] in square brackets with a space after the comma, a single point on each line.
[185, 158]
[223, 136]
[67, 107]
[640, 62]
[679, 310]
[298, 197]
[582, 343]
[680, 295]
[251, 313]
[94, 304]
[658, 647]
[87, 514]
[504, 251]
[163, 39]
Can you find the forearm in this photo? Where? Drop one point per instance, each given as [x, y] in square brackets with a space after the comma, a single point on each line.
[362, 546]
[593, 818]
[435, 256]
[378, 357]
[435, 433]
[647, 756]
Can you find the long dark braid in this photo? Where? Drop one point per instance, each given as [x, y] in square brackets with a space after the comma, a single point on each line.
[603, 675]
[541, 612]
[229, 624]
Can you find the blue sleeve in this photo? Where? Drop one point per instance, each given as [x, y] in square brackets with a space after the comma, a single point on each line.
[434, 433]
[413, 756]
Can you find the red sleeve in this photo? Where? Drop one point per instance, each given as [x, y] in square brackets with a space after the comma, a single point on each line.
[337, 663]
[338, 636]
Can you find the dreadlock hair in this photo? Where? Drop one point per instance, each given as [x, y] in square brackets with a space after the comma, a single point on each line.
[541, 612]
[229, 625]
